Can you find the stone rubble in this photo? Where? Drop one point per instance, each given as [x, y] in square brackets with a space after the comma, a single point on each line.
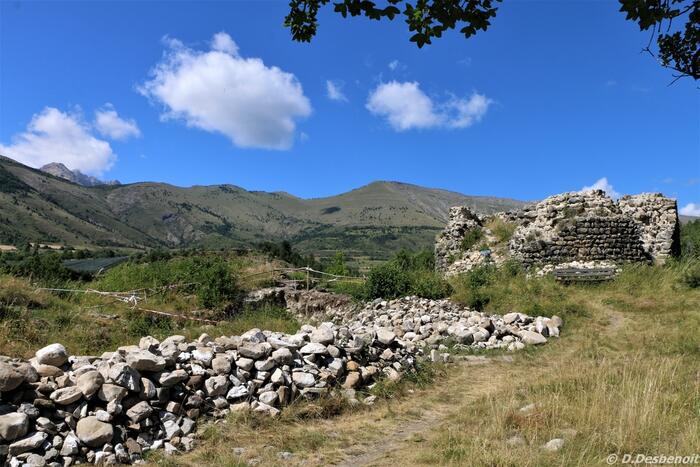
[59, 410]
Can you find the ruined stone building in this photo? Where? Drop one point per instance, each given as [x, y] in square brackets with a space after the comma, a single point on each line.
[576, 226]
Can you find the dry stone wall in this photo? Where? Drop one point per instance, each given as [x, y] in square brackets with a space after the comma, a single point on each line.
[576, 226]
[58, 409]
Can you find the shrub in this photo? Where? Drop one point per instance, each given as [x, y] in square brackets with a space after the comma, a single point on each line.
[338, 265]
[45, 268]
[471, 238]
[690, 239]
[406, 274]
[502, 230]
[209, 278]
[387, 281]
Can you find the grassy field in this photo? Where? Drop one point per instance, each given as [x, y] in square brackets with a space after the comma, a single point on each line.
[624, 378]
[89, 324]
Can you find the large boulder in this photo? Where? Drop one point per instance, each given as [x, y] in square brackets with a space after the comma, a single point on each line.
[94, 433]
[13, 425]
[10, 377]
[90, 382]
[143, 360]
[66, 396]
[54, 354]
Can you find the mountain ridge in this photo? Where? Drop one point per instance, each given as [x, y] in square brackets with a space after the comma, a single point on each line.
[372, 220]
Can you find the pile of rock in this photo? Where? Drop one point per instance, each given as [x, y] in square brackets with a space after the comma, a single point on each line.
[419, 323]
[58, 410]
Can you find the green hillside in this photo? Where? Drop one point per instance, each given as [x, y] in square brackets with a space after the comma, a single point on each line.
[374, 220]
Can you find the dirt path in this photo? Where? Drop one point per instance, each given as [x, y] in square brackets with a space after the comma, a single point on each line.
[475, 377]
[477, 380]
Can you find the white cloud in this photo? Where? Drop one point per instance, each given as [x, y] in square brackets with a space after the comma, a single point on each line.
[334, 91]
[393, 65]
[55, 136]
[406, 106]
[110, 124]
[603, 184]
[223, 43]
[254, 105]
[690, 209]
[468, 111]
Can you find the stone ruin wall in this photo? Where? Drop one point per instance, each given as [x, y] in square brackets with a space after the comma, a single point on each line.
[576, 226]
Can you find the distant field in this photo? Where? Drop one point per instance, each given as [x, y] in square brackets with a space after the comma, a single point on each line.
[93, 265]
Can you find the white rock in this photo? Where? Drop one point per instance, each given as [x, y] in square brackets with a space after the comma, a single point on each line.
[54, 354]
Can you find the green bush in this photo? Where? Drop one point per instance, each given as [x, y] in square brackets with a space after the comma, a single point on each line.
[690, 239]
[406, 274]
[45, 268]
[471, 238]
[387, 281]
[208, 277]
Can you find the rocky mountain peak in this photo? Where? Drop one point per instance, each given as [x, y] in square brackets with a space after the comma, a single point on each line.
[58, 169]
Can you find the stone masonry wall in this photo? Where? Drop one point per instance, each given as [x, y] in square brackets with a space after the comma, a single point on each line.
[576, 226]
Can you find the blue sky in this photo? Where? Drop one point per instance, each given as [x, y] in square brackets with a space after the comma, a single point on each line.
[554, 97]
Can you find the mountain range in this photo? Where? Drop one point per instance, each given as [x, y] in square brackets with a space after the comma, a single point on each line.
[50, 206]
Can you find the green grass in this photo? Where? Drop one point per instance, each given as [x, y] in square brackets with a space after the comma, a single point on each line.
[471, 238]
[502, 230]
[89, 324]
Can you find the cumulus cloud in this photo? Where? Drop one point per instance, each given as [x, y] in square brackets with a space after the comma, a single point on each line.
[110, 124]
[603, 184]
[468, 111]
[690, 209]
[223, 43]
[334, 91]
[254, 105]
[405, 106]
[55, 136]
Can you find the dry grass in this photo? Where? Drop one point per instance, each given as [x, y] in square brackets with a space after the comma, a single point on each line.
[624, 378]
[90, 324]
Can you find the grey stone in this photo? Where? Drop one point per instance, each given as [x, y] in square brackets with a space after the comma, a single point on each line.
[139, 411]
[90, 382]
[303, 380]
[554, 445]
[10, 377]
[237, 392]
[532, 338]
[125, 376]
[385, 336]
[111, 392]
[143, 360]
[221, 365]
[54, 354]
[168, 379]
[28, 443]
[13, 426]
[322, 335]
[93, 432]
[254, 350]
[313, 348]
[216, 386]
[66, 396]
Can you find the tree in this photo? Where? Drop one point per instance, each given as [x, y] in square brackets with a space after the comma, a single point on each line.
[678, 49]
